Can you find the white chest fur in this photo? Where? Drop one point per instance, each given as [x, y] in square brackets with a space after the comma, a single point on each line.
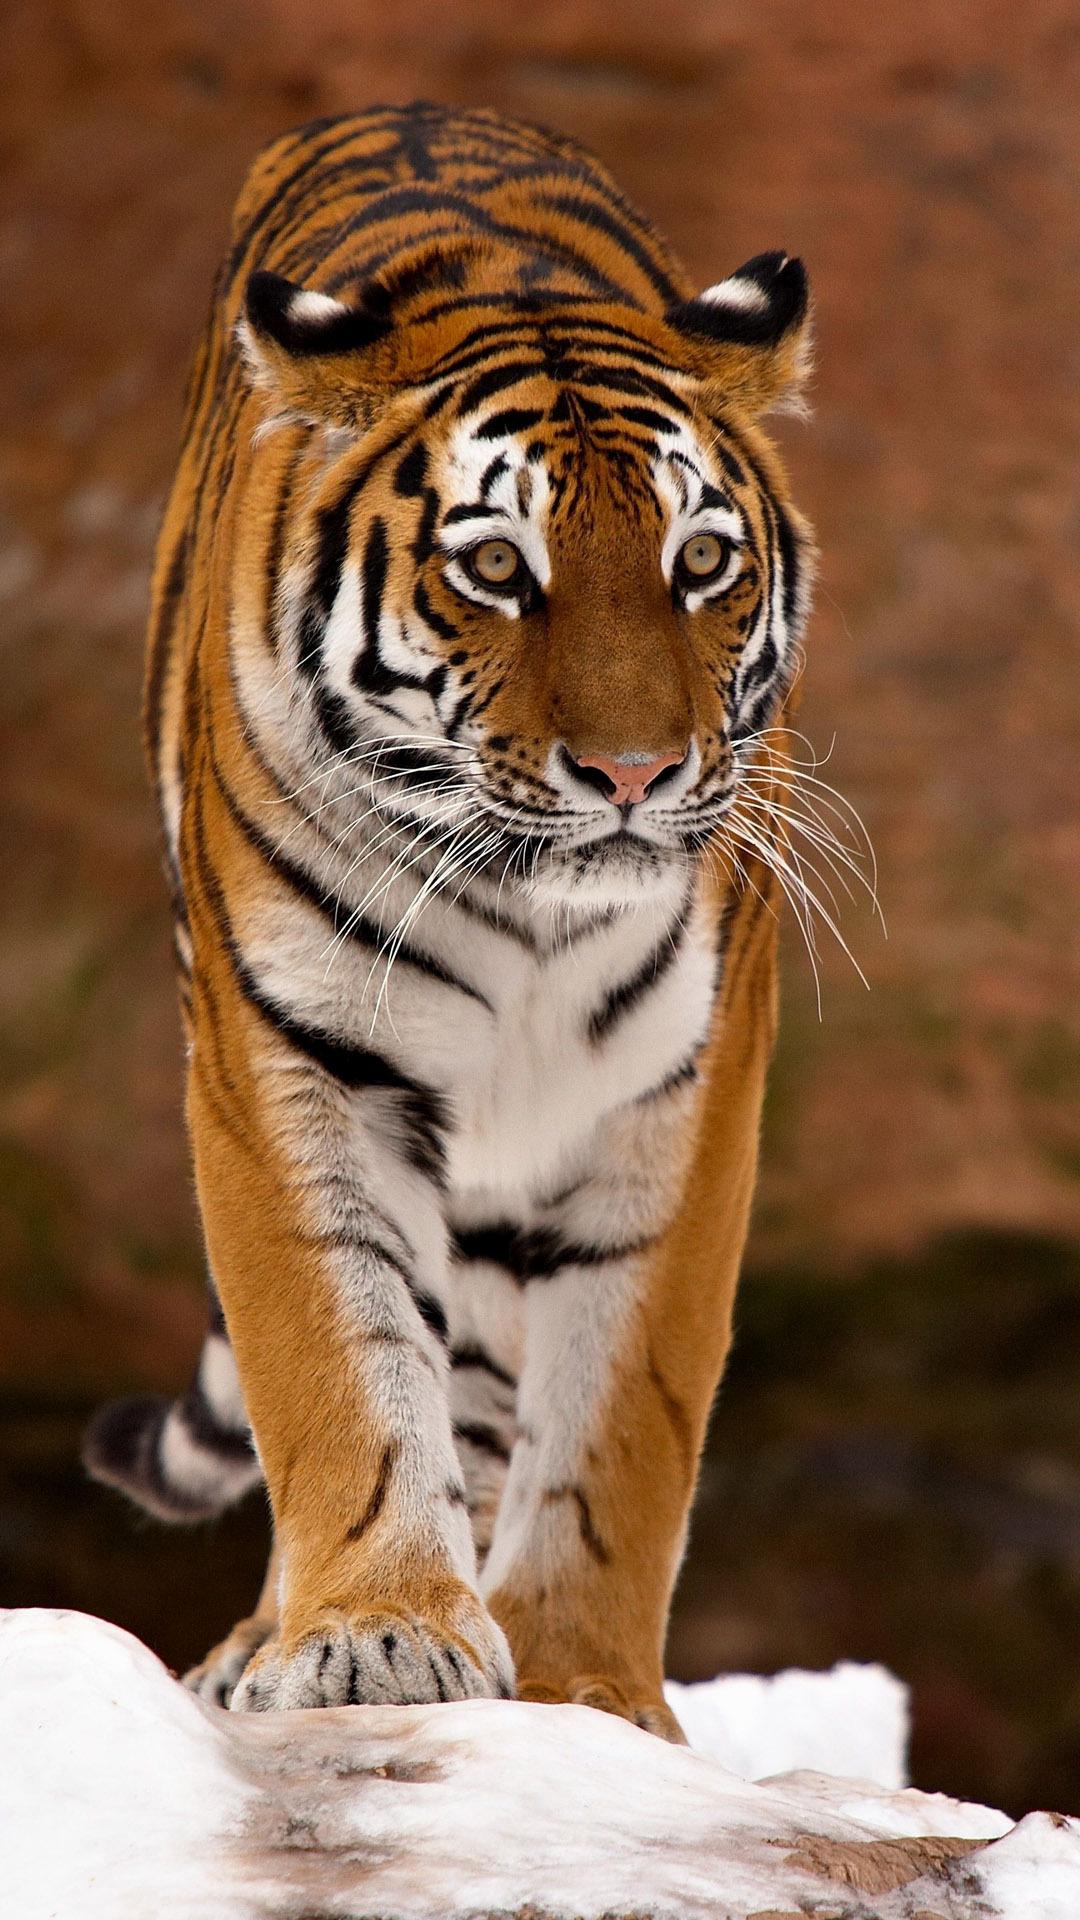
[527, 1104]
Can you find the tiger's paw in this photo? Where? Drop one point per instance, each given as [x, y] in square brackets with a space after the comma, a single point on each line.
[649, 1711]
[387, 1656]
[215, 1678]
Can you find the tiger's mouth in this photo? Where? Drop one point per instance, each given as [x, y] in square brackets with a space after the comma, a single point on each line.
[634, 832]
[597, 859]
[639, 858]
[617, 871]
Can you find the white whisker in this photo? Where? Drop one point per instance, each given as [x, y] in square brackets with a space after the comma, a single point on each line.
[770, 852]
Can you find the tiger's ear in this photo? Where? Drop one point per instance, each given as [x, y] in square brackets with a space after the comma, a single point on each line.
[750, 334]
[316, 358]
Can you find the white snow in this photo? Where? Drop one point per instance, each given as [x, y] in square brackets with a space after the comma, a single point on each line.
[852, 1720]
[122, 1797]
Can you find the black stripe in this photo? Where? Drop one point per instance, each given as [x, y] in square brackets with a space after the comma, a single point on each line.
[423, 541]
[732, 467]
[215, 1314]
[623, 999]
[333, 541]
[160, 650]
[432, 617]
[378, 1493]
[536, 1253]
[590, 1538]
[354, 926]
[333, 523]
[501, 1243]
[763, 667]
[630, 379]
[334, 718]
[679, 1077]
[677, 1413]
[485, 1439]
[355, 1240]
[511, 420]
[712, 497]
[431, 1313]
[769, 510]
[423, 1111]
[196, 1413]
[475, 218]
[467, 903]
[223, 1095]
[367, 265]
[596, 335]
[276, 549]
[648, 417]
[600, 219]
[411, 472]
[473, 1356]
[346, 128]
[789, 554]
[368, 672]
[469, 509]
[486, 385]
[492, 472]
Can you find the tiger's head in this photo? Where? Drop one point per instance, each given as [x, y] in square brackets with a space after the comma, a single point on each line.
[547, 579]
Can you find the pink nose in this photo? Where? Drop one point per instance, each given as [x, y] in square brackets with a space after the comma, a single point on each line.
[625, 782]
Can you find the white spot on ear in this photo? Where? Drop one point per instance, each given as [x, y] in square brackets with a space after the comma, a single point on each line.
[308, 308]
[746, 295]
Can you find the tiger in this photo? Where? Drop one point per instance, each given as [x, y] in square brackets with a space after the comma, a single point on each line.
[476, 619]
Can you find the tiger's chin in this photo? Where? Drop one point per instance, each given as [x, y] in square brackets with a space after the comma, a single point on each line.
[622, 872]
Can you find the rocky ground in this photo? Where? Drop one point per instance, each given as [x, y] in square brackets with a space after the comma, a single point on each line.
[896, 1469]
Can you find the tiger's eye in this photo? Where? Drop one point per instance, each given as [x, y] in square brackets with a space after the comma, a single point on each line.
[495, 561]
[704, 555]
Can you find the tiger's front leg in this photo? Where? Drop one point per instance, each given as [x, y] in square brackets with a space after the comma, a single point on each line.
[323, 1222]
[628, 1325]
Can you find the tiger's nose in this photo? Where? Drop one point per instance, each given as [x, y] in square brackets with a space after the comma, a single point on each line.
[625, 782]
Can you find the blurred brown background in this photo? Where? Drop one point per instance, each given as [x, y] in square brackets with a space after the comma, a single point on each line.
[895, 1471]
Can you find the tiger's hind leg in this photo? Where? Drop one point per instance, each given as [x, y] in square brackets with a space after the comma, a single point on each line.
[216, 1678]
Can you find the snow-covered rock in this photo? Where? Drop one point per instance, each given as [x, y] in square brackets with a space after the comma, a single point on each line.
[122, 1797]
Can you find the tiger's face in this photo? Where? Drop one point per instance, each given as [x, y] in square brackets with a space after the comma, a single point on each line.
[550, 581]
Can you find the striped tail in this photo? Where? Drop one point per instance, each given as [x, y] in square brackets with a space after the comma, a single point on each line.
[184, 1459]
